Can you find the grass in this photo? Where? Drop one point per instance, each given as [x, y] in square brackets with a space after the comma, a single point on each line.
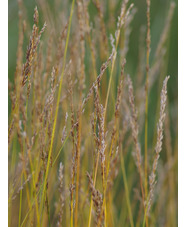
[84, 149]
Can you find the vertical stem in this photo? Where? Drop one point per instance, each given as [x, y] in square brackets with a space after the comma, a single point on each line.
[146, 102]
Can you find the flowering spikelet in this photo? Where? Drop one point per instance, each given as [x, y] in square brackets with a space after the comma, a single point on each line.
[102, 134]
[134, 124]
[36, 16]
[64, 133]
[50, 98]
[122, 18]
[97, 82]
[21, 187]
[29, 56]
[61, 199]
[82, 45]
[33, 43]
[93, 126]
[158, 147]
[87, 27]
[118, 100]
[96, 197]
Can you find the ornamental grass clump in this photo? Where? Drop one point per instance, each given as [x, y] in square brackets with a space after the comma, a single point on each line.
[83, 147]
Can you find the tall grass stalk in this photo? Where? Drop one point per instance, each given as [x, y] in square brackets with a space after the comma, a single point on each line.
[148, 40]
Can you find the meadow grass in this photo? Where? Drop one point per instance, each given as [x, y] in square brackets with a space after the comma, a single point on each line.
[83, 145]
